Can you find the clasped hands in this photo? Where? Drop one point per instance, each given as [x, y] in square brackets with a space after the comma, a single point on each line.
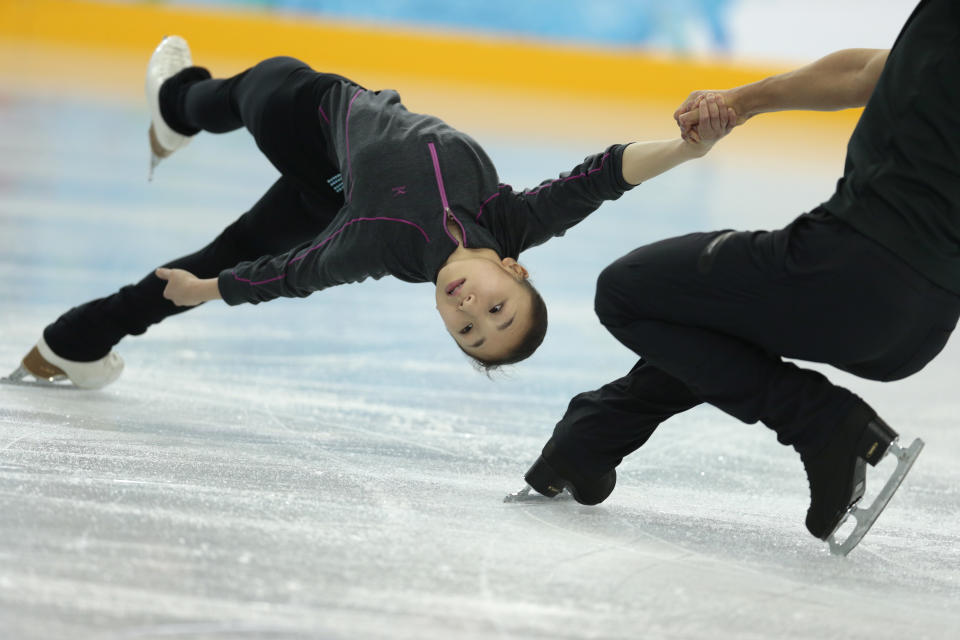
[706, 116]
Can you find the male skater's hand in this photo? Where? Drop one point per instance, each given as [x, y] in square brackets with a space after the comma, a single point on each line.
[185, 289]
[713, 120]
[642, 161]
[696, 109]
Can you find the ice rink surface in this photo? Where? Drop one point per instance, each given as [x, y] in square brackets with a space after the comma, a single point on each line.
[333, 468]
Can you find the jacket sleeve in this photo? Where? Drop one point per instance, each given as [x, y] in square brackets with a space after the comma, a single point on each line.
[310, 267]
[533, 216]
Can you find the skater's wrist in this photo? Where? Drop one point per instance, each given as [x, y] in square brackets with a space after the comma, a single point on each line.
[209, 289]
[691, 149]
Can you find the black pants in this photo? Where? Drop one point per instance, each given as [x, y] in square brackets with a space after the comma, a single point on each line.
[712, 316]
[277, 102]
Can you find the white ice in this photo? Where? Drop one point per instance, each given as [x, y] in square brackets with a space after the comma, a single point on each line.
[333, 468]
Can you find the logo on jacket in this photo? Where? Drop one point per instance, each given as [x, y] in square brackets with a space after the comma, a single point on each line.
[399, 191]
[336, 183]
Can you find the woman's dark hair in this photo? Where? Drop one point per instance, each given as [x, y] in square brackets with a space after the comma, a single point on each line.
[530, 343]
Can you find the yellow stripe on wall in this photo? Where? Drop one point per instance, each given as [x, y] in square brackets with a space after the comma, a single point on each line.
[250, 36]
[565, 83]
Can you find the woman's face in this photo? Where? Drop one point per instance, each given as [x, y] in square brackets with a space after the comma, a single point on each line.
[484, 305]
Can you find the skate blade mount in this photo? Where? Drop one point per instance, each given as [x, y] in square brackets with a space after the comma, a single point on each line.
[19, 377]
[154, 161]
[527, 494]
[866, 517]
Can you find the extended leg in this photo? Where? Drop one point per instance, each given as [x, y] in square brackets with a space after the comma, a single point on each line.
[282, 218]
[601, 427]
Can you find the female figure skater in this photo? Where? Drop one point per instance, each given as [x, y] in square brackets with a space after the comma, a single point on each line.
[367, 189]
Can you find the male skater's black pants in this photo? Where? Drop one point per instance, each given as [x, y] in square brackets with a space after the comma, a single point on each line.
[712, 315]
[277, 102]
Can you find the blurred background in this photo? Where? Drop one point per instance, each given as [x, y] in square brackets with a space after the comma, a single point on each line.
[315, 469]
[684, 27]
[631, 56]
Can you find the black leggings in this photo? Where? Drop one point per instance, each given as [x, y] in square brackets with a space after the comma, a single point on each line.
[712, 316]
[277, 102]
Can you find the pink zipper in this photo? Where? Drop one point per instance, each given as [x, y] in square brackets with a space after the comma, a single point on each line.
[443, 197]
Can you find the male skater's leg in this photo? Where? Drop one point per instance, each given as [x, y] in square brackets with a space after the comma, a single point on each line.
[602, 427]
[717, 312]
[720, 311]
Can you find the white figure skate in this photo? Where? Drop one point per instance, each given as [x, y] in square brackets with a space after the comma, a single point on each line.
[171, 56]
[48, 369]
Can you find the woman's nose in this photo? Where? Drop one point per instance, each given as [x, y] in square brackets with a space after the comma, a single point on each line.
[467, 301]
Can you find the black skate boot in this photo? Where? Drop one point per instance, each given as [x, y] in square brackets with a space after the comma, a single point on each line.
[837, 472]
[547, 481]
[550, 477]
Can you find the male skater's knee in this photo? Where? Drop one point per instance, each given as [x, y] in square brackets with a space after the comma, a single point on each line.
[619, 291]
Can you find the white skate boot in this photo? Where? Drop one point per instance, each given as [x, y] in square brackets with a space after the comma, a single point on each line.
[48, 368]
[170, 56]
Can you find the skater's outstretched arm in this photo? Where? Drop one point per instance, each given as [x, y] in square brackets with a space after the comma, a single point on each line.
[645, 160]
[523, 219]
[841, 80]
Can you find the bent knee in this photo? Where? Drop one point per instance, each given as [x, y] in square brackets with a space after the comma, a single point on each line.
[622, 291]
[280, 65]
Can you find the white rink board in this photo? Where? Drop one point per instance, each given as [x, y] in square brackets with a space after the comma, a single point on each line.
[800, 32]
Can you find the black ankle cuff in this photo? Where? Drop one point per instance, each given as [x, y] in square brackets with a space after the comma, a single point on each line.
[848, 428]
[67, 346]
[173, 94]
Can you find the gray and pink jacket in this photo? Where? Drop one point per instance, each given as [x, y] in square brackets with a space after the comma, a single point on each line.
[403, 175]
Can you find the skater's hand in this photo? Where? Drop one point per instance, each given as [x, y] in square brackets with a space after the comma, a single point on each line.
[707, 116]
[185, 289]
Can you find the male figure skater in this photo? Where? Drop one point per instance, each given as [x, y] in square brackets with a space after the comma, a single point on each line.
[868, 282]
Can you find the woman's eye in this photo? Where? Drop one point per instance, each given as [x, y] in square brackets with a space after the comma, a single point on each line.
[496, 309]
[466, 329]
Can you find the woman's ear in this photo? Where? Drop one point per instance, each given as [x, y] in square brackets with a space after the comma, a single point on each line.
[518, 270]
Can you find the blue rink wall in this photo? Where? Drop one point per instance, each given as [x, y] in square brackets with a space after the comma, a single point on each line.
[678, 26]
[743, 29]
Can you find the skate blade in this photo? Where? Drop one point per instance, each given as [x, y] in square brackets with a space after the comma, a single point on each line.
[19, 378]
[527, 494]
[154, 161]
[866, 517]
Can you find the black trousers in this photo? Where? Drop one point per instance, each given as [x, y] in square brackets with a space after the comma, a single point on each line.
[277, 102]
[712, 315]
